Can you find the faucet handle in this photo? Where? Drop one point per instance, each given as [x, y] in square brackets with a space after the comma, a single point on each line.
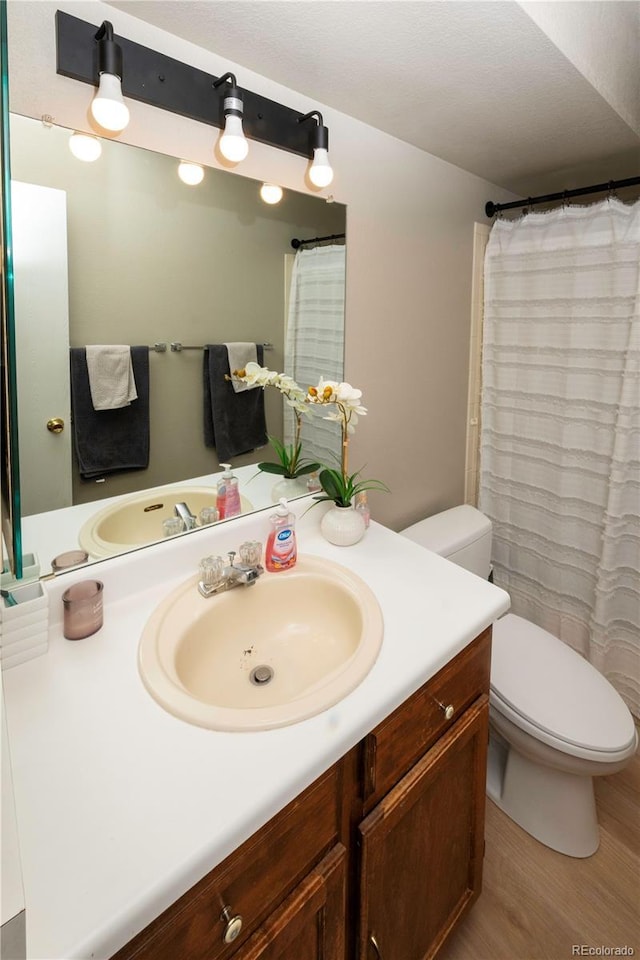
[211, 571]
[251, 552]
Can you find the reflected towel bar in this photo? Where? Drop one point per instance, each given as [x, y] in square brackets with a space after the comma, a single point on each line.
[177, 347]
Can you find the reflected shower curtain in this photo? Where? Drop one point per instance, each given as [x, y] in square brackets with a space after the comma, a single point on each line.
[560, 449]
[314, 342]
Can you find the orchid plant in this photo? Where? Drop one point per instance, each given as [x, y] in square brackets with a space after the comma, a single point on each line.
[338, 484]
[291, 463]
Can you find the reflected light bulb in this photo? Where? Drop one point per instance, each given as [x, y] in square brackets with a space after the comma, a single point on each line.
[271, 193]
[190, 173]
[233, 143]
[320, 171]
[108, 107]
[84, 147]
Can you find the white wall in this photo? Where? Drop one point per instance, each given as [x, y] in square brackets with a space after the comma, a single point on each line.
[409, 251]
[587, 34]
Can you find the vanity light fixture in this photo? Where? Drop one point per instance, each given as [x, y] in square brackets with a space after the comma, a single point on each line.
[85, 147]
[233, 143]
[190, 173]
[320, 171]
[162, 82]
[108, 107]
[271, 193]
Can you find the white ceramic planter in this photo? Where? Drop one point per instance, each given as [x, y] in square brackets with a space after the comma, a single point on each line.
[342, 526]
[288, 489]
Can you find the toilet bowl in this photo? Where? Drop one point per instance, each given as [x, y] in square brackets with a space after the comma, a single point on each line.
[555, 722]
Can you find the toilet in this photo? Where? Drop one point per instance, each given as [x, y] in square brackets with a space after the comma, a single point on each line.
[555, 722]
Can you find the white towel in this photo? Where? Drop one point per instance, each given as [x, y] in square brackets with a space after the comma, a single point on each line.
[240, 354]
[111, 379]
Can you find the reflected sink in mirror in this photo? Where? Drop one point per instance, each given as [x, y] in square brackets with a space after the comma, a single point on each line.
[137, 521]
[267, 655]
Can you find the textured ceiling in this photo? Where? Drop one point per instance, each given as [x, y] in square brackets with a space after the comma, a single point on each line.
[476, 83]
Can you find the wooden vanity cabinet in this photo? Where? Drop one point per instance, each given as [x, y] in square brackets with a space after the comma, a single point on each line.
[422, 847]
[376, 860]
[421, 843]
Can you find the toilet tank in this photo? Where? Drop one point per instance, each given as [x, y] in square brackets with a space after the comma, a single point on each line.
[461, 534]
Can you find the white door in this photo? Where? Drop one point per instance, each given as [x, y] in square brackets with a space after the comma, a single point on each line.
[39, 228]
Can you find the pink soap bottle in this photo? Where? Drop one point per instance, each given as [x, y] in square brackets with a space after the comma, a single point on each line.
[282, 551]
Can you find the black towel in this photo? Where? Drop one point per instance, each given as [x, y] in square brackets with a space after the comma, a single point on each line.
[234, 423]
[110, 441]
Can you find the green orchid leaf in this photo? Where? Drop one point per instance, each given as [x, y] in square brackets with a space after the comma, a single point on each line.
[273, 468]
[305, 467]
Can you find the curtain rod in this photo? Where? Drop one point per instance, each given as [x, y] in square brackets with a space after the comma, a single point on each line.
[492, 208]
[334, 236]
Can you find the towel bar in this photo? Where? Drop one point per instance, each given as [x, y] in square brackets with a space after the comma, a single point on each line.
[177, 347]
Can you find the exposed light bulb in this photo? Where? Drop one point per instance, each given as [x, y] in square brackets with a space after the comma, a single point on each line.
[320, 171]
[271, 193]
[190, 173]
[84, 147]
[233, 143]
[108, 106]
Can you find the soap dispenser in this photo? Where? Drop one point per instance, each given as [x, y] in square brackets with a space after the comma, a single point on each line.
[222, 490]
[232, 505]
[282, 551]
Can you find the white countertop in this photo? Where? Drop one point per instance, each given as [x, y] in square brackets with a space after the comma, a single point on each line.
[120, 806]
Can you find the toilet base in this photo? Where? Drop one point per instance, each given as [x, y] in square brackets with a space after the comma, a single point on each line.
[555, 807]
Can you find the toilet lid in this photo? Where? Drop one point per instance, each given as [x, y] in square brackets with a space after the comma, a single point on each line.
[552, 687]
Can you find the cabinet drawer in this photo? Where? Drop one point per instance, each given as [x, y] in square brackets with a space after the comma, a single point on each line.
[310, 924]
[251, 882]
[400, 740]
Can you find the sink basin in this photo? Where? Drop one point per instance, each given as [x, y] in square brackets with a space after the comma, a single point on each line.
[311, 633]
[137, 520]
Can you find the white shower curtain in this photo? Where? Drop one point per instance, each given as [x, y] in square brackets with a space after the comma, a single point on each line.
[314, 343]
[560, 449]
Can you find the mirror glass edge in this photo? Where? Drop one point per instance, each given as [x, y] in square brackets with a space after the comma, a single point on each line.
[11, 525]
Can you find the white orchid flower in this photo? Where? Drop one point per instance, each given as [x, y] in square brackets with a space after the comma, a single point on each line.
[254, 374]
[347, 394]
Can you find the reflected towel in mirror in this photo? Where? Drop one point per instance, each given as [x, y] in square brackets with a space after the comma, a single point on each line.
[109, 441]
[240, 354]
[111, 379]
[234, 423]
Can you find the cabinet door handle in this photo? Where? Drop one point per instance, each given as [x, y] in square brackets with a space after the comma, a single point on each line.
[447, 709]
[233, 927]
[374, 944]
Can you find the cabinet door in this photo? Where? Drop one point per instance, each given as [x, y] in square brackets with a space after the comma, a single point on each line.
[422, 847]
[310, 924]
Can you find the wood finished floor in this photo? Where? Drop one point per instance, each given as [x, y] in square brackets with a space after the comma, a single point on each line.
[536, 904]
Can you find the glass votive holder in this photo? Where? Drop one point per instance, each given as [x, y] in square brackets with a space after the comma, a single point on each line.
[83, 609]
[251, 552]
[211, 570]
[72, 558]
[208, 515]
[171, 526]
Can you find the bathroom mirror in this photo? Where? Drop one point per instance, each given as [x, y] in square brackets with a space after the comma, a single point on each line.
[128, 253]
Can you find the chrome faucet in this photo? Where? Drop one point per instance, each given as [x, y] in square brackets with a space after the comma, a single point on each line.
[182, 510]
[216, 577]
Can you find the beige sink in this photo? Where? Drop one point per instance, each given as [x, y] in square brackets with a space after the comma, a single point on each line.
[137, 520]
[316, 630]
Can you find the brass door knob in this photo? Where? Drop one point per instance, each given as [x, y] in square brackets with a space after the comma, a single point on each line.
[55, 425]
